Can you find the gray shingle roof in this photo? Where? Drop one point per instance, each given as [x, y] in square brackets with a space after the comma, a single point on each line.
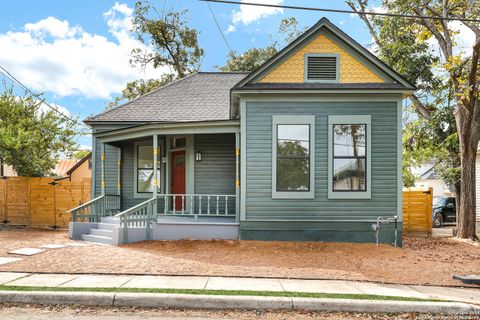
[203, 96]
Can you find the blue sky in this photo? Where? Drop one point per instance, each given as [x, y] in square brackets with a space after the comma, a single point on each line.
[77, 52]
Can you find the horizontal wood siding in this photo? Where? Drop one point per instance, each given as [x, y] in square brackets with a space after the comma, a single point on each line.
[259, 202]
[111, 154]
[215, 174]
[128, 177]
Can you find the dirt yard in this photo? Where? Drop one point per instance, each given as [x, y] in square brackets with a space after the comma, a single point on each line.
[421, 261]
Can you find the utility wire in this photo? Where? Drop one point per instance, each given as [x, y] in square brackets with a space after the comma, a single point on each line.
[14, 80]
[398, 15]
[218, 26]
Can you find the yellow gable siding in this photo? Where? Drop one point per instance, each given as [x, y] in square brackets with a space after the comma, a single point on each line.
[292, 70]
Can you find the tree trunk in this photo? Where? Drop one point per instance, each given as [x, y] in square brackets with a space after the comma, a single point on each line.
[466, 210]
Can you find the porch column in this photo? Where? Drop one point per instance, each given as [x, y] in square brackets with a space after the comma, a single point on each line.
[237, 176]
[119, 171]
[102, 157]
[155, 171]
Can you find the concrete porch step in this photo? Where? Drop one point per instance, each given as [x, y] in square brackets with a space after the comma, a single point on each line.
[111, 220]
[96, 239]
[106, 226]
[101, 232]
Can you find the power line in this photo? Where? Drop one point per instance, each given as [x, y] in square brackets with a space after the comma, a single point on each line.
[398, 15]
[218, 27]
[14, 80]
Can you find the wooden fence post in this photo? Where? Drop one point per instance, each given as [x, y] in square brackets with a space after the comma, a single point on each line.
[3, 195]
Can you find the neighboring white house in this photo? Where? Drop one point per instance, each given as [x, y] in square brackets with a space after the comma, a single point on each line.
[428, 178]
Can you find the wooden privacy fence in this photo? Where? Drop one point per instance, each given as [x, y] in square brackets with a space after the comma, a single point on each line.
[40, 202]
[417, 211]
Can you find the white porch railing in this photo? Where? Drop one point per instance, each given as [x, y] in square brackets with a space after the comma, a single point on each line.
[145, 213]
[96, 209]
[139, 216]
[197, 204]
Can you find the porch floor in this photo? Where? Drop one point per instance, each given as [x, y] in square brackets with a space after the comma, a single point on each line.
[212, 220]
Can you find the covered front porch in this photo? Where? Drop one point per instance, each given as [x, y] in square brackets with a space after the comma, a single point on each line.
[164, 181]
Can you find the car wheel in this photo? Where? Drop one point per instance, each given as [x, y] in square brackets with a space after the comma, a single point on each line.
[438, 220]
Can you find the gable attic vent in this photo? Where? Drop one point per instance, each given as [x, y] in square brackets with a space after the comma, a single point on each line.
[321, 68]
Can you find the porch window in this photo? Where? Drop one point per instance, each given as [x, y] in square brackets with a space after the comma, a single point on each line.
[145, 176]
[293, 160]
[349, 163]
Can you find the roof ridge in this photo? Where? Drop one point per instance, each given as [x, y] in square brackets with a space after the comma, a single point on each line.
[144, 95]
[224, 72]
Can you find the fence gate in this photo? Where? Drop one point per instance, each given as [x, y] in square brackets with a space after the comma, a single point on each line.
[40, 202]
[417, 211]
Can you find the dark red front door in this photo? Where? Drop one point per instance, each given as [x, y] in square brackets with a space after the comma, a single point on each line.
[178, 177]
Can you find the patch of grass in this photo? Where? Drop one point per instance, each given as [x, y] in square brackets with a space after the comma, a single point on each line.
[221, 292]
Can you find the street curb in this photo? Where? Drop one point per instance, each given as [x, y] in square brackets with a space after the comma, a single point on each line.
[190, 301]
[383, 306]
[58, 297]
[193, 301]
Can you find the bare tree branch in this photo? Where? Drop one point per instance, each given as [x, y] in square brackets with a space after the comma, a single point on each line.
[419, 106]
[365, 19]
[436, 32]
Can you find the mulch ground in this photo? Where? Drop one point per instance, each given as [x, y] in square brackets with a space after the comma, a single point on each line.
[421, 261]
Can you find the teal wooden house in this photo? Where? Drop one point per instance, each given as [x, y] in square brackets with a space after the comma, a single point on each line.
[307, 147]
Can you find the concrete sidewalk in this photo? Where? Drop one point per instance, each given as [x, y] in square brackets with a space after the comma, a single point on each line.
[467, 295]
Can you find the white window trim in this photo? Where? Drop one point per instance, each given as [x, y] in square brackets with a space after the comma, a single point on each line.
[305, 63]
[293, 119]
[147, 195]
[350, 119]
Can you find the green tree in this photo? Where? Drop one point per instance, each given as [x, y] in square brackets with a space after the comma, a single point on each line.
[31, 139]
[138, 88]
[249, 60]
[80, 154]
[253, 58]
[434, 139]
[169, 41]
[168, 44]
[459, 69]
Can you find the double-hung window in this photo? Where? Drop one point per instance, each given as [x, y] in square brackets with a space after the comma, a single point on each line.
[293, 166]
[349, 157]
[144, 174]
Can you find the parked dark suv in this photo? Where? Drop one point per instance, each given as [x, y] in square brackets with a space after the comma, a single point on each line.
[444, 210]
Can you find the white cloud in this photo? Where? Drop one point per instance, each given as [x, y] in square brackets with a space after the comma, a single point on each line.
[464, 40]
[52, 55]
[231, 28]
[249, 14]
[84, 147]
[59, 108]
[53, 27]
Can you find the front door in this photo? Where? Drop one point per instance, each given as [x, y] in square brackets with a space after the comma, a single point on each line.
[178, 177]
